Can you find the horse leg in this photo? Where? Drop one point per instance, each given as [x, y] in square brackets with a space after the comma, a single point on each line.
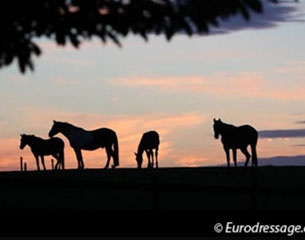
[114, 157]
[148, 158]
[156, 155]
[109, 154]
[62, 159]
[56, 165]
[254, 155]
[56, 157]
[58, 161]
[152, 158]
[79, 158]
[247, 155]
[37, 162]
[42, 161]
[234, 150]
[227, 151]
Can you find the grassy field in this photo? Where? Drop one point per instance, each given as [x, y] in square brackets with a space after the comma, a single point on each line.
[207, 188]
[158, 202]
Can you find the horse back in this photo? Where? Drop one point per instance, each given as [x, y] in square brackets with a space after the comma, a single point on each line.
[48, 146]
[248, 132]
[150, 139]
[241, 136]
[56, 142]
[103, 137]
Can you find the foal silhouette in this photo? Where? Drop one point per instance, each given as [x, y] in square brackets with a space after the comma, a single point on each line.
[43, 147]
[234, 138]
[150, 141]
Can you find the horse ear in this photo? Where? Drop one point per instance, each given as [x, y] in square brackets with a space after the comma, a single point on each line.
[214, 120]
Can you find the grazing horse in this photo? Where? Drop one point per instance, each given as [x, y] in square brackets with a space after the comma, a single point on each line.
[42, 147]
[149, 141]
[234, 138]
[81, 139]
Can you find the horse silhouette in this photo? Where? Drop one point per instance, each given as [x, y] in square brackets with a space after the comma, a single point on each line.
[150, 141]
[43, 147]
[81, 139]
[237, 137]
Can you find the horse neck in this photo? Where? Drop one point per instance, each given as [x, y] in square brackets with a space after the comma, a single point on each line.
[227, 128]
[33, 140]
[140, 148]
[69, 130]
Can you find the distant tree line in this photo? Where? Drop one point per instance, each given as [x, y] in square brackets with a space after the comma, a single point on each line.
[72, 21]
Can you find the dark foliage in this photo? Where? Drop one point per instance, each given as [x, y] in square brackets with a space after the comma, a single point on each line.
[72, 21]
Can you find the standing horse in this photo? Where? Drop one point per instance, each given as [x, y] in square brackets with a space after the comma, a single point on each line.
[149, 141]
[234, 138]
[42, 147]
[81, 139]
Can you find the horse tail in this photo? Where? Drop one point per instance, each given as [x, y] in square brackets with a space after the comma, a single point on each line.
[62, 155]
[63, 159]
[115, 152]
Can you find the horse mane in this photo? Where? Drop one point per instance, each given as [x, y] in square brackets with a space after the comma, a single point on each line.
[32, 136]
[71, 125]
[233, 126]
[228, 124]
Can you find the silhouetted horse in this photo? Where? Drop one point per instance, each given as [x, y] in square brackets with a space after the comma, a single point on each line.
[234, 138]
[43, 147]
[149, 141]
[81, 139]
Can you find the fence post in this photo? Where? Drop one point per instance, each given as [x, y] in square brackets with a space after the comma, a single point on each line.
[25, 167]
[21, 164]
[52, 161]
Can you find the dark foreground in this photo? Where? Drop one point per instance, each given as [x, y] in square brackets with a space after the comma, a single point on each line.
[132, 202]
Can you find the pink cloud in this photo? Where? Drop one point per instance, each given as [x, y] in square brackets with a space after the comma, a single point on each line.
[247, 84]
[220, 84]
[297, 67]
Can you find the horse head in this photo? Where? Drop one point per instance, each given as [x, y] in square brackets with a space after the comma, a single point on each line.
[139, 159]
[55, 129]
[23, 141]
[216, 127]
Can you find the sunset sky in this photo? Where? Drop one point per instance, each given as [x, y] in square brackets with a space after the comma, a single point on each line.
[244, 73]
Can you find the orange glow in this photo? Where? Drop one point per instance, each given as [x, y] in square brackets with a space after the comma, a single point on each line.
[192, 161]
[128, 128]
[247, 84]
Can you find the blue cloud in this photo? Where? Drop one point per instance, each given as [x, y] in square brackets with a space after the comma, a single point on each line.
[282, 133]
[273, 14]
